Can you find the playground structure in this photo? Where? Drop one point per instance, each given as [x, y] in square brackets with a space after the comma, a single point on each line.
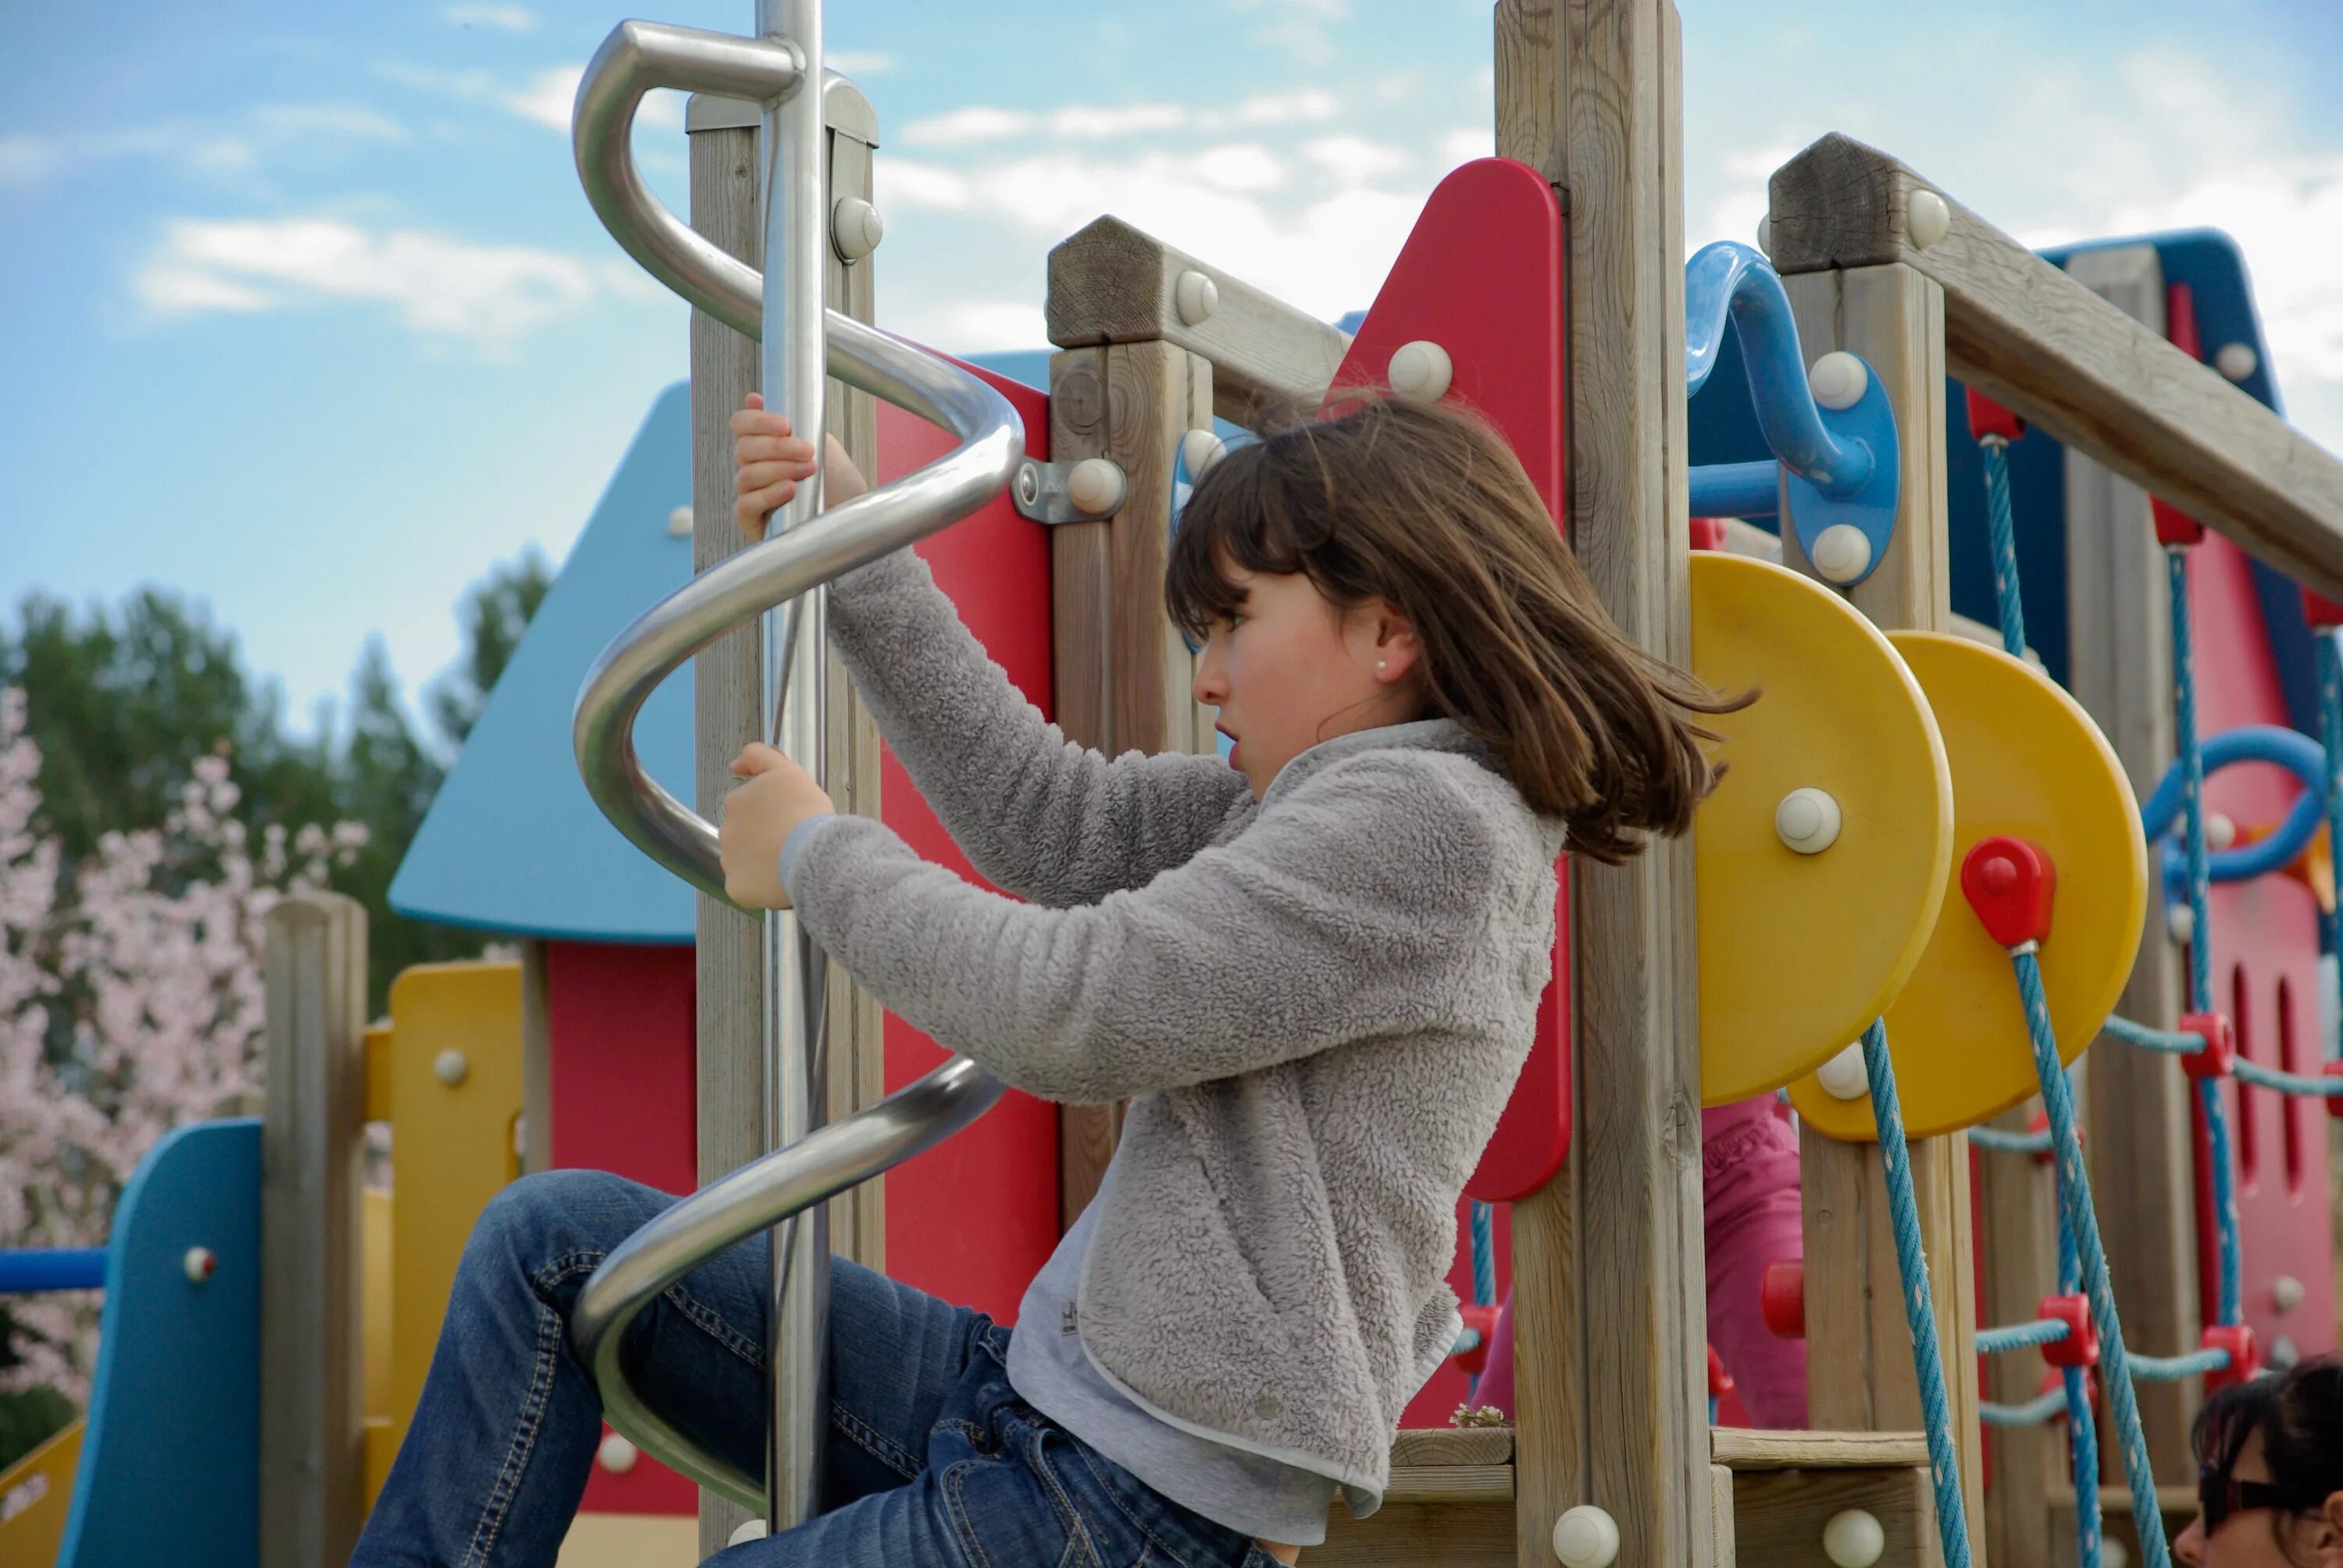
[608, 1045]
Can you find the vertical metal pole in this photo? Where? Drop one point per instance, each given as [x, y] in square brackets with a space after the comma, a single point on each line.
[795, 366]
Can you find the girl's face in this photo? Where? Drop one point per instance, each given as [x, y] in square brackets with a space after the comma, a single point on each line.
[1291, 668]
[2246, 1540]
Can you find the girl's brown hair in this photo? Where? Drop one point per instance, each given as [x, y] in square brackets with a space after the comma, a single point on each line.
[1424, 506]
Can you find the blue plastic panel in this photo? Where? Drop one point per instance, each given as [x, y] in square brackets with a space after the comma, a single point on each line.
[170, 1463]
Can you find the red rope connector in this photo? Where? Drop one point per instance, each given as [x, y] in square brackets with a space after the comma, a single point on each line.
[2323, 613]
[2080, 1348]
[1720, 1381]
[1782, 1298]
[2173, 526]
[2245, 1356]
[2055, 1383]
[1482, 1320]
[2334, 1101]
[1709, 533]
[1988, 417]
[2008, 882]
[2219, 1057]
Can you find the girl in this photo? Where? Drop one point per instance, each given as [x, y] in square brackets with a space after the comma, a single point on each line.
[2269, 1474]
[1312, 970]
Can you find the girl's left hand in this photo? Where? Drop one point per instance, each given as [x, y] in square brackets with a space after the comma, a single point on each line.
[758, 818]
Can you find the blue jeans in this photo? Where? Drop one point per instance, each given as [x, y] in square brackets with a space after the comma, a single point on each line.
[932, 1459]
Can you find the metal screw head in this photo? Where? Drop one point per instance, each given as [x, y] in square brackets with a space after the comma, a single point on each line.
[1029, 483]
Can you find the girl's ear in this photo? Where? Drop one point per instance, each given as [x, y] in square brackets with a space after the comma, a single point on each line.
[2326, 1530]
[1397, 648]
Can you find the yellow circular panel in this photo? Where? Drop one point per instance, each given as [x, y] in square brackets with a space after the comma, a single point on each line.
[2029, 761]
[1800, 952]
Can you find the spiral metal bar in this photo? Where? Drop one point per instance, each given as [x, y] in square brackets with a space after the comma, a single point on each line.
[814, 1162]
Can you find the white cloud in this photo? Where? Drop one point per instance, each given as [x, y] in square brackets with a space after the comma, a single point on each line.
[443, 287]
[976, 123]
[27, 159]
[230, 145]
[973, 327]
[1355, 157]
[503, 18]
[859, 62]
[1462, 146]
[547, 97]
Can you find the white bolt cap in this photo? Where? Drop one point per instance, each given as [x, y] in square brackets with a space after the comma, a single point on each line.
[2237, 360]
[1200, 449]
[1808, 820]
[2220, 832]
[1586, 1537]
[1422, 370]
[2114, 1553]
[1927, 219]
[451, 1068]
[2286, 1292]
[1098, 486]
[1839, 379]
[2180, 922]
[1766, 234]
[616, 1455]
[856, 228]
[201, 1263]
[749, 1530]
[678, 523]
[2283, 1353]
[1853, 1539]
[1842, 552]
[1195, 297]
[1844, 1075]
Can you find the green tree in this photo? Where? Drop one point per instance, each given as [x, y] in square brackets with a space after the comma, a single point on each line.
[493, 615]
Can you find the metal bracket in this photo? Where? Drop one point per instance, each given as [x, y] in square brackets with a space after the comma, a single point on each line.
[1047, 492]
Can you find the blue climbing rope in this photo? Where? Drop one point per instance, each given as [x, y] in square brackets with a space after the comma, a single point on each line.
[2200, 931]
[2177, 1369]
[2032, 1413]
[1919, 1305]
[2004, 545]
[2075, 1205]
[2003, 1142]
[2330, 725]
[1484, 1255]
[2018, 1336]
[2172, 1041]
[2285, 1082]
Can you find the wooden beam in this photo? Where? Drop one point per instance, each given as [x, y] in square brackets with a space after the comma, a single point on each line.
[1609, 1298]
[2140, 1147]
[2025, 332]
[313, 1443]
[1894, 317]
[1748, 1448]
[1122, 676]
[1109, 283]
[1778, 1515]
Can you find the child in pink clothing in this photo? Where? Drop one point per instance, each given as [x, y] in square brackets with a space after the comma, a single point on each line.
[1749, 1171]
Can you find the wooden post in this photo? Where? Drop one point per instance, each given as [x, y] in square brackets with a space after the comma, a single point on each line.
[1862, 1377]
[1122, 676]
[727, 692]
[536, 1061]
[1609, 1304]
[313, 1156]
[2140, 1148]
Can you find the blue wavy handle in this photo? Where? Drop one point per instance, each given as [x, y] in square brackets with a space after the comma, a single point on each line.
[2288, 749]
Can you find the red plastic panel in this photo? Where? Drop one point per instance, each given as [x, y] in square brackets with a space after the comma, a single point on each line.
[2266, 978]
[1481, 276]
[973, 1220]
[619, 1027]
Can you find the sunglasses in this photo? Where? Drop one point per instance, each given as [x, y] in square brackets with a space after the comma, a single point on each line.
[2218, 1496]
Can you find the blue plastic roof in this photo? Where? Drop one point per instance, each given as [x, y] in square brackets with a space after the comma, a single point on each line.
[512, 843]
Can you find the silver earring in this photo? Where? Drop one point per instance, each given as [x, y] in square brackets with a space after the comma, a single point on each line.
[1383, 664]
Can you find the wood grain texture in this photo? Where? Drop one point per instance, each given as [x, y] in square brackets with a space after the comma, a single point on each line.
[2039, 341]
[1472, 1534]
[1434, 1445]
[1610, 1255]
[2019, 1223]
[1724, 1549]
[1750, 1448]
[1778, 1515]
[1110, 283]
[312, 1176]
[2137, 1105]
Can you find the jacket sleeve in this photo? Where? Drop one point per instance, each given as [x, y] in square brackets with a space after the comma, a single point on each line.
[1036, 814]
[1350, 908]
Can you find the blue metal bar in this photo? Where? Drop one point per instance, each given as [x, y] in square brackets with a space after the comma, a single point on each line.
[1738, 490]
[1726, 280]
[29, 1269]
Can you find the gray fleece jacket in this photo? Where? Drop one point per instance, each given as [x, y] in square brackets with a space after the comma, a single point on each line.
[1316, 1004]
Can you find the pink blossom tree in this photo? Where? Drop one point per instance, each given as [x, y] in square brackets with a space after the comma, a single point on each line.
[131, 996]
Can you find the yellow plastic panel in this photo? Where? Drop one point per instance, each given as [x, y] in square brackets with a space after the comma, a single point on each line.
[631, 1541]
[451, 1146]
[1798, 953]
[36, 1495]
[2029, 761]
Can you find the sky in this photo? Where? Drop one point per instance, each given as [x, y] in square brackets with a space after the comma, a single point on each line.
[303, 314]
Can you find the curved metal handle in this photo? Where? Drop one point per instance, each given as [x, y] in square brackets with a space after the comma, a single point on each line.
[1727, 279]
[760, 1195]
[636, 58]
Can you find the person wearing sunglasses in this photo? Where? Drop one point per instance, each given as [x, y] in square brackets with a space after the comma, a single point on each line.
[2269, 1468]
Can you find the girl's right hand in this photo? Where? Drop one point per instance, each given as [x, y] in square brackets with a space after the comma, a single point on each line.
[770, 462]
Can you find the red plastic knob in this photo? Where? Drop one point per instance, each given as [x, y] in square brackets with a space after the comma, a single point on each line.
[2320, 612]
[1720, 1381]
[2245, 1356]
[1709, 533]
[2080, 1348]
[1483, 1320]
[2173, 526]
[2009, 883]
[2219, 1057]
[1988, 417]
[1782, 1298]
